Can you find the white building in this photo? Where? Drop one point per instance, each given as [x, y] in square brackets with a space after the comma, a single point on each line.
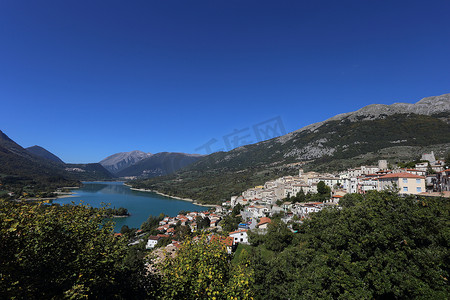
[152, 241]
[239, 236]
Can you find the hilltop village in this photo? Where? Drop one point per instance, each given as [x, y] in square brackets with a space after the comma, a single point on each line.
[292, 199]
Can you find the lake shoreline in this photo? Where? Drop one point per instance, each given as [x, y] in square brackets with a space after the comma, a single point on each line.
[174, 197]
[139, 205]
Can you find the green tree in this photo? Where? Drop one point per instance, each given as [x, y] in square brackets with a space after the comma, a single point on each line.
[301, 197]
[350, 200]
[237, 209]
[202, 223]
[55, 252]
[202, 270]
[230, 223]
[278, 236]
[152, 223]
[381, 246]
[323, 189]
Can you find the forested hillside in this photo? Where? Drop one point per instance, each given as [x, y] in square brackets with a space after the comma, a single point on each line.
[330, 147]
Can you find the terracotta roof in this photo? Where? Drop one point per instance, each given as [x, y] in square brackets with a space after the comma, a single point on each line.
[226, 240]
[154, 238]
[448, 170]
[238, 231]
[401, 175]
[264, 220]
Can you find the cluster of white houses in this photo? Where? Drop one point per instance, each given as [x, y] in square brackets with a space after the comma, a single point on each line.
[358, 180]
[262, 202]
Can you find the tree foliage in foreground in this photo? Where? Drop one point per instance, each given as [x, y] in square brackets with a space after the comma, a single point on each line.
[381, 246]
[55, 252]
[202, 270]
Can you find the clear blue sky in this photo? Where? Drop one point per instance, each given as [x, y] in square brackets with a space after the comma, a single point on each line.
[86, 79]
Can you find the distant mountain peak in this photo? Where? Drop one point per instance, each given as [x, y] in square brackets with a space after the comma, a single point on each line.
[162, 163]
[426, 106]
[119, 161]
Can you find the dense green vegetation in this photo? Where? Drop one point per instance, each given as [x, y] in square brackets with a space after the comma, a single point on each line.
[221, 175]
[231, 221]
[203, 270]
[152, 223]
[69, 251]
[378, 246]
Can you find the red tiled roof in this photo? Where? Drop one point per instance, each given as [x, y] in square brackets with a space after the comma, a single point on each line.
[226, 240]
[401, 175]
[264, 220]
[238, 231]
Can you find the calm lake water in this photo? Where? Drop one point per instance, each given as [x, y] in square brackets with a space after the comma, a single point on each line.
[139, 204]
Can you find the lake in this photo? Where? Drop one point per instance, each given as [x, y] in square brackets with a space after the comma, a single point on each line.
[139, 204]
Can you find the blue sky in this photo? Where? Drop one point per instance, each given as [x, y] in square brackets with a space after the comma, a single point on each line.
[86, 79]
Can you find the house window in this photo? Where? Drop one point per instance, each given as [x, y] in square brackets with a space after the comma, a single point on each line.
[419, 189]
[405, 188]
[405, 180]
[418, 181]
[242, 240]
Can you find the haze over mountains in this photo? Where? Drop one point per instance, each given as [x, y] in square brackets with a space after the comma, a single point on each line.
[159, 164]
[394, 132]
[140, 164]
[119, 161]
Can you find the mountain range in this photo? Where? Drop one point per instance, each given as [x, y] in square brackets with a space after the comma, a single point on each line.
[396, 132]
[159, 164]
[37, 169]
[140, 164]
[119, 161]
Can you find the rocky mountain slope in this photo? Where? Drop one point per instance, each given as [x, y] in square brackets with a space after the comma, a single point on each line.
[44, 153]
[119, 161]
[321, 146]
[427, 106]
